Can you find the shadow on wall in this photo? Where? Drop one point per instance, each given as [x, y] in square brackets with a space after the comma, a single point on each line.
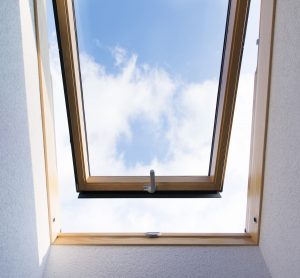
[156, 261]
[21, 184]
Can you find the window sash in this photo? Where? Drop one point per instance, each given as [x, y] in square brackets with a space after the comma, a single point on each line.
[231, 60]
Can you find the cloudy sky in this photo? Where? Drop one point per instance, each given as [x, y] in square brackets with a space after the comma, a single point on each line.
[150, 74]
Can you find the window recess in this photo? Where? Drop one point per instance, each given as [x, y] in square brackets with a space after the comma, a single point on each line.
[169, 185]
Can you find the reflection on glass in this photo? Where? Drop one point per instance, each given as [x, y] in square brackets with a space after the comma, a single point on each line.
[150, 73]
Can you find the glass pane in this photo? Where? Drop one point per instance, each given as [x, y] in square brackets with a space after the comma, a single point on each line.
[150, 73]
[227, 214]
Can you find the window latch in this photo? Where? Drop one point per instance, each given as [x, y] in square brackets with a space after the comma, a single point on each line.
[152, 234]
[151, 188]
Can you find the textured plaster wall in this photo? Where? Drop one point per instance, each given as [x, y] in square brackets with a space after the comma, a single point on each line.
[113, 262]
[280, 244]
[24, 234]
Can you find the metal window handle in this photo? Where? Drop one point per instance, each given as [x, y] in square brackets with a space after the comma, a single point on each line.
[152, 234]
[151, 188]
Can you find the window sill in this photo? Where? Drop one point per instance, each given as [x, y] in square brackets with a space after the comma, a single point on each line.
[176, 239]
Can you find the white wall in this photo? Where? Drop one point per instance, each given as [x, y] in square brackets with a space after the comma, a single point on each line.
[24, 234]
[280, 244]
[212, 262]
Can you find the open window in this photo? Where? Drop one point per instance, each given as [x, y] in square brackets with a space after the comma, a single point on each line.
[257, 152]
[172, 183]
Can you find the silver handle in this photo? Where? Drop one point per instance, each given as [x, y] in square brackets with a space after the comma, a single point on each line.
[151, 188]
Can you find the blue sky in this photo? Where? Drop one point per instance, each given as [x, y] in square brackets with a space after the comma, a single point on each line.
[173, 34]
[129, 134]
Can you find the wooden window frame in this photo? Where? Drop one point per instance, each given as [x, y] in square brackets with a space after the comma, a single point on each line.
[257, 153]
[229, 77]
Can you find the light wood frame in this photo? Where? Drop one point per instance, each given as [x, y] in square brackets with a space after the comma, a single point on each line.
[232, 55]
[256, 166]
[47, 112]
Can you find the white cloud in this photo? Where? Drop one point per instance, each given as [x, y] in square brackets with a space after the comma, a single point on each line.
[114, 101]
[120, 55]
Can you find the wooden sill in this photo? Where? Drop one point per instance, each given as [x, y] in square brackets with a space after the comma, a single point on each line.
[163, 239]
